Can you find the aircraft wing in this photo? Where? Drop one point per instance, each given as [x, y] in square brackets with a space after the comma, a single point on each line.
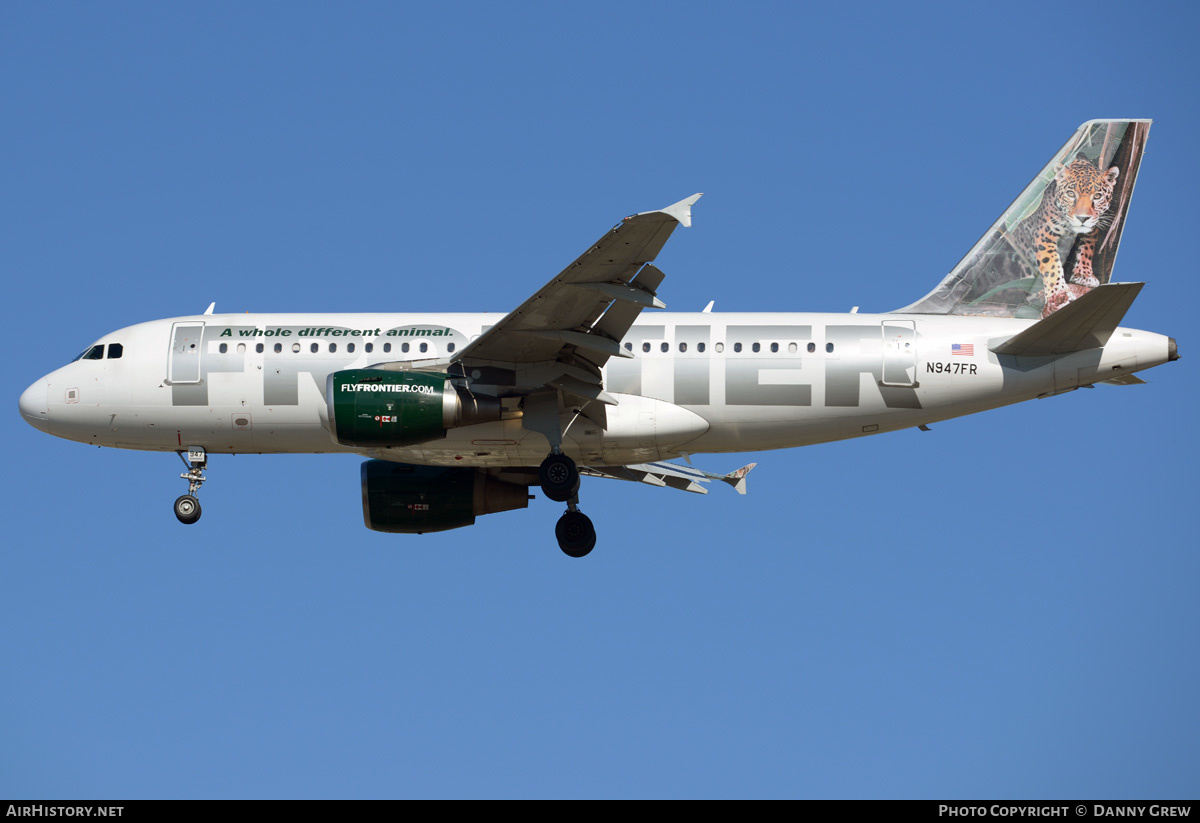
[562, 335]
[684, 478]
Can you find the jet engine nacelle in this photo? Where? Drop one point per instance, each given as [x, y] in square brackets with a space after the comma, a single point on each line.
[401, 498]
[372, 407]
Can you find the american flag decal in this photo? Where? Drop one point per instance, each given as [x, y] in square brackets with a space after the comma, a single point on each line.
[965, 349]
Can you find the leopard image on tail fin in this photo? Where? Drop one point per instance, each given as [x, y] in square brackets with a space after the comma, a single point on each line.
[1058, 240]
[1073, 207]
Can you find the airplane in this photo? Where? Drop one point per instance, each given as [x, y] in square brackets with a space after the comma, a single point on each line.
[460, 415]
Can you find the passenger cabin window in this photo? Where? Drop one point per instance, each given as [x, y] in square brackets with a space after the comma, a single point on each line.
[665, 347]
[755, 348]
[774, 347]
[737, 346]
[350, 347]
[224, 347]
[645, 347]
[115, 350]
[332, 348]
[829, 347]
[314, 348]
[404, 347]
[387, 347]
[278, 348]
[370, 347]
[682, 347]
[259, 348]
[424, 347]
[296, 347]
[720, 347]
[699, 347]
[812, 347]
[450, 347]
[628, 347]
[793, 348]
[241, 348]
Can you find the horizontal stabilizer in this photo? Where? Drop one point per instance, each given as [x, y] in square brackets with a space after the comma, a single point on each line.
[737, 478]
[1085, 323]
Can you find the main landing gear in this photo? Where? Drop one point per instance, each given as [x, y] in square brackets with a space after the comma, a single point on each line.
[559, 478]
[575, 532]
[187, 507]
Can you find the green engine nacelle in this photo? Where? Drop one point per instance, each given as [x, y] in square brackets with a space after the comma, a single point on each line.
[381, 408]
[372, 407]
[408, 499]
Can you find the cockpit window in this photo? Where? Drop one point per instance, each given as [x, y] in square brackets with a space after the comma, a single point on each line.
[115, 350]
[94, 353]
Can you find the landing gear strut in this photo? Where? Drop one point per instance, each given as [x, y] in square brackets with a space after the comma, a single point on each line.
[187, 507]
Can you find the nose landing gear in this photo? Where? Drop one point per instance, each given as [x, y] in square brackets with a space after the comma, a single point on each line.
[187, 507]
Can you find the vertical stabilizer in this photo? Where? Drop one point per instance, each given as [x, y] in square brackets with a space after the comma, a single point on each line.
[1059, 239]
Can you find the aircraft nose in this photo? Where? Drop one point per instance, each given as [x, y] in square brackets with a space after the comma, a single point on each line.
[34, 407]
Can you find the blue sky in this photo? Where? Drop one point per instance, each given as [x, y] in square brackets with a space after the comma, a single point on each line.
[1002, 607]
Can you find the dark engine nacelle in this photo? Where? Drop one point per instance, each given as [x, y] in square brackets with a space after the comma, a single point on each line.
[408, 499]
[373, 407]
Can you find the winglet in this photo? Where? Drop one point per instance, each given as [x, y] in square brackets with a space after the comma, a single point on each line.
[210, 308]
[682, 211]
[737, 478]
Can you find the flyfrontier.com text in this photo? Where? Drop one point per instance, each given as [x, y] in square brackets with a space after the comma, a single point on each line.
[391, 387]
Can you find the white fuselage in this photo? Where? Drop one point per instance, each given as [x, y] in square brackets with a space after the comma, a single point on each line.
[696, 383]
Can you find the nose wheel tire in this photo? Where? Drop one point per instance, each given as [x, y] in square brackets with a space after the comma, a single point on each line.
[575, 533]
[559, 478]
[187, 509]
